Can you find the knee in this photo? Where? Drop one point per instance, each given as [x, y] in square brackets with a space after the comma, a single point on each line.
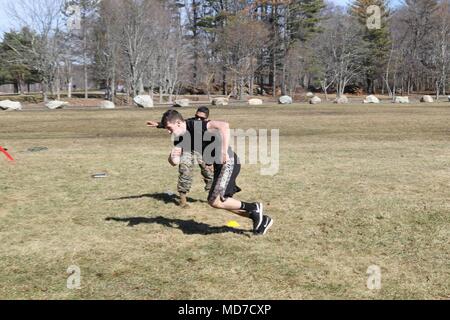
[215, 203]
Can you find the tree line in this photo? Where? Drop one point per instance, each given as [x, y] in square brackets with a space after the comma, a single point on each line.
[229, 47]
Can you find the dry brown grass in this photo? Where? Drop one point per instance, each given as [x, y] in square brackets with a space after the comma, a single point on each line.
[358, 185]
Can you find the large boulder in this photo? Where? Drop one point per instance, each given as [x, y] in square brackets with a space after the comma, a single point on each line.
[10, 105]
[53, 105]
[315, 100]
[341, 100]
[310, 95]
[372, 99]
[182, 103]
[401, 100]
[143, 101]
[220, 101]
[255, 102]
[285, 100]
[107, 105]
[427, 99]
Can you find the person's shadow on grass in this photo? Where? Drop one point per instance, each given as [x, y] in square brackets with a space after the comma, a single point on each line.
[189, 227]
[164, 197]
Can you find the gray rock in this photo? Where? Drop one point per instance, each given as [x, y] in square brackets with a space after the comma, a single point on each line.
[144, 101]
[341, 100]
[255, 102]
[427, 99]
[401, 100]
[10, 105]
[285, 100]
[182, 103]
[220, 101]
[372, 99]
[107, 105]
[53, 105]
[448, 98]
[310, 95]
[315, 100]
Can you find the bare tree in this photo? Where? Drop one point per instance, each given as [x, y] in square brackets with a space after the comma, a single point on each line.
[345, 48]
[240, 43]
[340, 51]
[139, 25]
[108, 37]
[170, 52]
[442, 36]
[44, 19]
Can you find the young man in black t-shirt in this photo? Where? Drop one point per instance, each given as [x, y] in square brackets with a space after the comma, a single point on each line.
[198, 136]
[188, 161]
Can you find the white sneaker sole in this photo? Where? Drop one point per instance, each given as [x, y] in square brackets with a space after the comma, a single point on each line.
[268, 227]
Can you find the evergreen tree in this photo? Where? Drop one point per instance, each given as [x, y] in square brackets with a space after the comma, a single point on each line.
[376, 40]
[14, 69]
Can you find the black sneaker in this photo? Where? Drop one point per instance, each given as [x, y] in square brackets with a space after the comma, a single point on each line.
[265, 226]
[257, 216]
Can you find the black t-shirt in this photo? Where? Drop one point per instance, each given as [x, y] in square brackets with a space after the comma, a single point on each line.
[195, 129]
[198, 138]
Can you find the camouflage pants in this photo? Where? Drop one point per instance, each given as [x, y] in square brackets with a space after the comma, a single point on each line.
[186, 170]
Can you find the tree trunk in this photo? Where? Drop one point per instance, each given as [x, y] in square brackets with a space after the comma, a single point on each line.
[58, 87]
[252, 85]
[44, 91]
[69, 88]
[438, 85]
[113, 84]
[195, 40]
[241, 88]
[274, 77]
[141, 86]
[85, 67]
[224, 82]
[283, 80]
[274, 49]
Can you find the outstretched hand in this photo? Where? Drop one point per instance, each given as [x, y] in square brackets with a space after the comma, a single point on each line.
[152, 124]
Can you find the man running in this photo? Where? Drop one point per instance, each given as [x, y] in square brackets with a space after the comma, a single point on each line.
[188, 161]
[197, 135]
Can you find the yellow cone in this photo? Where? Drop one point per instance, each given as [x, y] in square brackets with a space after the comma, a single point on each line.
[233, 224]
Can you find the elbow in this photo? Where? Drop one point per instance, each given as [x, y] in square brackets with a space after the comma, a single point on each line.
[174, 162]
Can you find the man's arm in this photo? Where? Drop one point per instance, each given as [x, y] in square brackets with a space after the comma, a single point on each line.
[154, 124]
[224, 129]
[175, 156]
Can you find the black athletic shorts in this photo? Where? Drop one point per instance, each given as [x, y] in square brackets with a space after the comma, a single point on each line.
[224, 183]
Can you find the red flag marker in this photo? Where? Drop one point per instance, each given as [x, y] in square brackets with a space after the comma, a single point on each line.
[6, 154]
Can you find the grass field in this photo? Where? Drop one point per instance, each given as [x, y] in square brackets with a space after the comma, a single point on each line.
[358, 186]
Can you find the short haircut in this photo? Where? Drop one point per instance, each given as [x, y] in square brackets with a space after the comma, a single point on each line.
[171, 116]
[204, 110]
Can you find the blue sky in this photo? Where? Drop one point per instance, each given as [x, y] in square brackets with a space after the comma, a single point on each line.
[5, 21]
